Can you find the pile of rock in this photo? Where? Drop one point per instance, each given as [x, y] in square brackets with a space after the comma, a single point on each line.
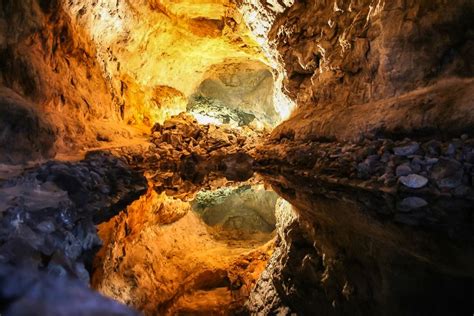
[181, 135]
[48, 216]
[185, 153]
[438, 167]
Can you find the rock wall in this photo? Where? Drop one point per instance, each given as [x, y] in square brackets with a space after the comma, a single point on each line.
[244, 87]
[48, 71]
[355, 252]
[88, 70]
[370, 66]
[145, 47]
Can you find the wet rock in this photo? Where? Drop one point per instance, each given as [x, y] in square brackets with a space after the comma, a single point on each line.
[406, 150]
[431, 161]
[447, 173]
[413, 181]
[27, 292]
[416, 165]
[403, 170]
[363, 170]
[411, 203]
[432, 147]
[451, 150]
[46, 227]
[462, 191]
[238, 167]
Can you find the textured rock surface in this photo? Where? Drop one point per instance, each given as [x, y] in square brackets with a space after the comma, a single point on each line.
[160, 258]
[244, 210]
[247, 87]
[47, 224]
[98, 71]
[355, 252]
[358, 67]
[52, 209]
[435, 168]
[24, 292]
[137, 47]
[49, 62]
[26, 134]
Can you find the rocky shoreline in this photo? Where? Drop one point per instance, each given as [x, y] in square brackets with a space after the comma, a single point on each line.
[48, 232]
[437, 168]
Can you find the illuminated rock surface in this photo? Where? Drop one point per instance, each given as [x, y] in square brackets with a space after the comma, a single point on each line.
[140, 142]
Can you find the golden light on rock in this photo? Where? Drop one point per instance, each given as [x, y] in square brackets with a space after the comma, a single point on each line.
[165, 43]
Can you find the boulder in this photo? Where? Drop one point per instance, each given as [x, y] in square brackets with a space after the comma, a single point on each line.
[403, 170]
[413, 181]
[406, 150]
[447, 173]
[411, 203]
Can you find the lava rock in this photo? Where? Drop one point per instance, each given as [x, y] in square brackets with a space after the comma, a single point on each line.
[413, 181]
[403, 170]
[27, 292]
[406, 150]
[46, 227]
[411, 203]
[432, 147]
[448, 173]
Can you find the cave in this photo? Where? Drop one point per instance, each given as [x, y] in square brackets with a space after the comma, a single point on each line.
[236, 157]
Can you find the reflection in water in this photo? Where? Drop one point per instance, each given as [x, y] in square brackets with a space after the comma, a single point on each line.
[349, 252]
[162, 258]
[338, 250]
[242, 212]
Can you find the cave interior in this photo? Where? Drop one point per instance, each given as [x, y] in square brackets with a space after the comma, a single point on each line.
[236, 157]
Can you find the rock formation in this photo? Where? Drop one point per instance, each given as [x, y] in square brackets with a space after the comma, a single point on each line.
[143, 145]
[368, 67]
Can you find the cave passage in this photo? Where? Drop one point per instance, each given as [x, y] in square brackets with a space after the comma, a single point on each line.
[247, 157]
[210, 254]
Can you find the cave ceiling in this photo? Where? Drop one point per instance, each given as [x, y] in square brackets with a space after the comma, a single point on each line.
[145, 45]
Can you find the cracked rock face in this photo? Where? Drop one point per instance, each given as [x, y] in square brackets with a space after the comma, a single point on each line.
[91, 74]
[48, 67]
[358, 67]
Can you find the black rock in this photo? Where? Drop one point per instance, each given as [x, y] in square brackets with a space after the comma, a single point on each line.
[447, 173]
[406, 150]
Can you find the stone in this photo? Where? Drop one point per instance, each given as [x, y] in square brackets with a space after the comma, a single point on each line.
[46, 227]
[238, 167]
[406, 150]
[403, 170]
[431, 161]
[411, 203]
[416, 165]
[363, 170]
[432, 147]
[413, 181]
[461, 191]
[52, 293]
[451, 150]
[25, 134]
[447, 173]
